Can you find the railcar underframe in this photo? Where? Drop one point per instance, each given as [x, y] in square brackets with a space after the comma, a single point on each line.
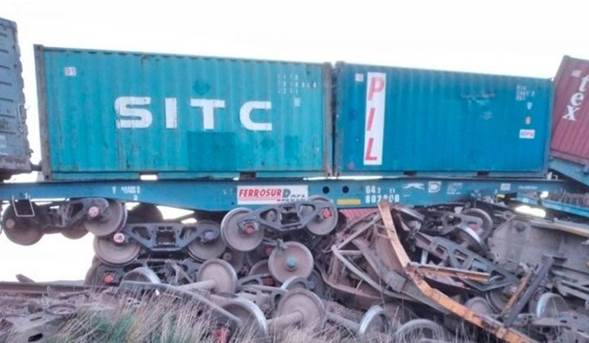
[223, 195]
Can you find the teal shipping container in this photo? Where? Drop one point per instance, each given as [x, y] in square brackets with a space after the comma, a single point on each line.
[398, 121]
[14, 146]
[118, 115]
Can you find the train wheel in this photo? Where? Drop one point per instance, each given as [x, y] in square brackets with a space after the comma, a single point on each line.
[305, 302]
[487, 226]
[479, 305]
[252, 318]
[293, 259]
[113, 218]
[375, 322]
[553, 306]
[418, 330]
[222, 273]
[142, 274]
[101, 274]
[497, 298]
[468, 238]
[206, 247]
[145, 213]
[75, 232]
[245, 238]
[259, 268]
[550, 305]
[115, 253]
[23, 231]
[326, 220]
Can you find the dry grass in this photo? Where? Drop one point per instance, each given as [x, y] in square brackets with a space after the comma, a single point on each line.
[164, 319]
[156, 319]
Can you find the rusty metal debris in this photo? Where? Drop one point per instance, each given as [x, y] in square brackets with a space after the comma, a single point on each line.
[394, 272]
[417, 276]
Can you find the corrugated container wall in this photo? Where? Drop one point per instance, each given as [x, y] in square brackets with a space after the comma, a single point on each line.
[405, 121]
[14, 147]
[570, 116]
[115, 115]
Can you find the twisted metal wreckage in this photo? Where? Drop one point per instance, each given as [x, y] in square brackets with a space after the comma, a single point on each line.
[397, 272]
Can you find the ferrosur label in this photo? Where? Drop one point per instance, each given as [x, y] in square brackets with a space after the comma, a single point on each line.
[275, 194]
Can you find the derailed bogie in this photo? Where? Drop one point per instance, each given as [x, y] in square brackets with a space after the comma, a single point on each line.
[120, 237]
[244, 229]
[25, 222]
[169, 271]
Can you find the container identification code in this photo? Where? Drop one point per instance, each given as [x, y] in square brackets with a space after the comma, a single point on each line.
[276, 194]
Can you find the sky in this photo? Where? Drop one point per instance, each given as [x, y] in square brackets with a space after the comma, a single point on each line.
[525, 38]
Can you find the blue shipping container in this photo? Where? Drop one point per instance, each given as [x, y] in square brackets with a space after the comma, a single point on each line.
[14, 147]
[116, 115]
[404, 121]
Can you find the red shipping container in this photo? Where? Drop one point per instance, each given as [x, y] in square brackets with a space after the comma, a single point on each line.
[570, 115]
